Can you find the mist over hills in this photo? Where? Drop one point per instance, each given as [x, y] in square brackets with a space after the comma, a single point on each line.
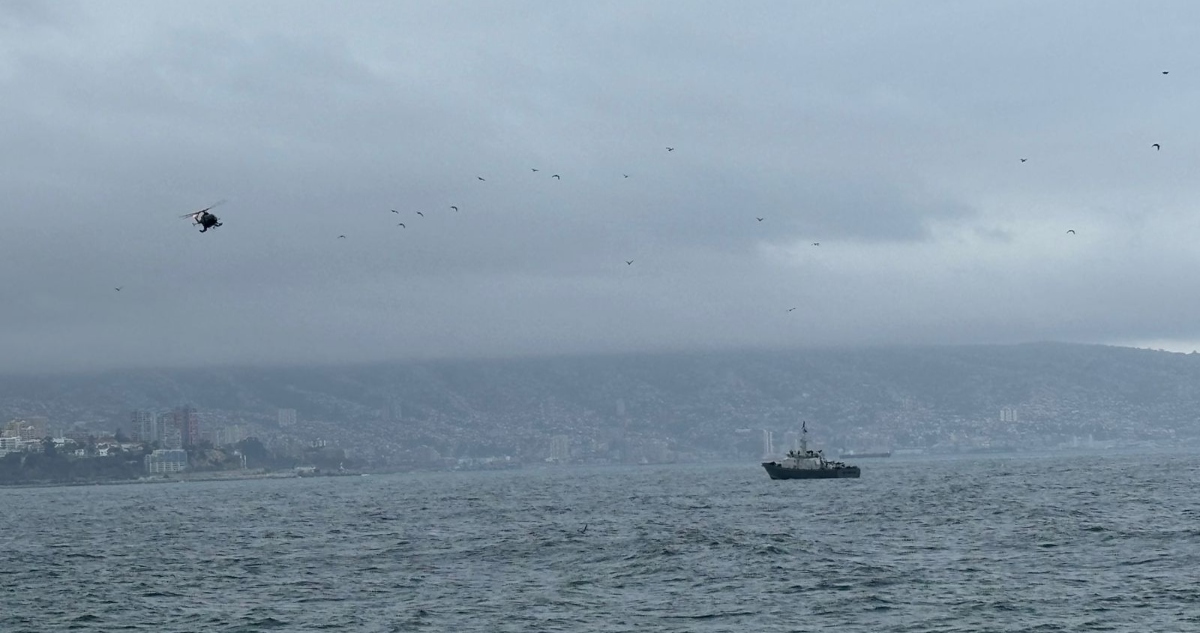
[684, 402]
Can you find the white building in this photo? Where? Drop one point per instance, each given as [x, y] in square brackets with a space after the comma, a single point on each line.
[11, 445]
[166, 461]
[287, 417]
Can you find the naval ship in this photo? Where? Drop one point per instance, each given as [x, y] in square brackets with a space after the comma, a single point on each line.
[806, 464]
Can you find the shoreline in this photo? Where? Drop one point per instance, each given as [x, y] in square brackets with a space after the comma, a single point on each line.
[197, 477]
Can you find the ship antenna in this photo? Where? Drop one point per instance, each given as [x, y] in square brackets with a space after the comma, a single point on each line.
[803, 438]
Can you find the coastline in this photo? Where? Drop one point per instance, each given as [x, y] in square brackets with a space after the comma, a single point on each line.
[183, 478]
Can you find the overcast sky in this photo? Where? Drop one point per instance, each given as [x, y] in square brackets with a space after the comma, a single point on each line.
[891, 133]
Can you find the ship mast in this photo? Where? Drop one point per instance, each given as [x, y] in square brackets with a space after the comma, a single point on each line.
[804, 438]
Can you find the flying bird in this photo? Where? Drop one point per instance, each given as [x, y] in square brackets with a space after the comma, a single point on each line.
[670, 149]
[759, 219]
[1024, 159]
[1156, 147]
[557, 176]
[420, 214]
[1071, 231]
[816, 243]
[118, 288]
[341, 237]
[625, 175]
[454, 207]
[533, 168]
[401, 225]
[481, 178]
[1166, 71]
[790, 309]
[629, 262]
[395, 211]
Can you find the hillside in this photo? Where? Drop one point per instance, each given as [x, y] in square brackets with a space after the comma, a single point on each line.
[897, 396]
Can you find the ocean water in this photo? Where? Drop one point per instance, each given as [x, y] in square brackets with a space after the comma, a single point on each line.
[1069, 543]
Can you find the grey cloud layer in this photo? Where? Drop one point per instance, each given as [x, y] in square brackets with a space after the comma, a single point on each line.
[889, 134]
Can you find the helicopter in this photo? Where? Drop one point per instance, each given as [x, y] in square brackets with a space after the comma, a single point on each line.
[203, 218]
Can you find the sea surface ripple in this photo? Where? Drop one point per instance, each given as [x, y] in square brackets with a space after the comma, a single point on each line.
[1068, 543]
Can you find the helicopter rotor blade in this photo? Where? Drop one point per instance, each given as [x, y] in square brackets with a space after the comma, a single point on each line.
[196, 213]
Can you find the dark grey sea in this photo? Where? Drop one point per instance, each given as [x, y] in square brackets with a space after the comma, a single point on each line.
[1066, 543]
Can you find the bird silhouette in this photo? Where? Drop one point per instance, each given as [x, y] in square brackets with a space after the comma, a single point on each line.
[454, 207]
[481, 178]
[1156, 147]
[816, 243]
[401, 225]
[629, 262]
[533, 169]
[1071, 231]
[118, 288]
[790, 309]
[670, 149]
[420, 214]
[625, 175]
[759, 219]
[341, 237]
[1166, 71]
[1024, 159]
[395, 211]
[557, 176]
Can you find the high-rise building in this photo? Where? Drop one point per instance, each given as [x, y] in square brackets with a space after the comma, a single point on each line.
[170, 433]
[1008, 414]
[160, 428]
[180, 428]
[32, 428]
[143, 426]
[287, 417]
[560, 448]
[189, 425]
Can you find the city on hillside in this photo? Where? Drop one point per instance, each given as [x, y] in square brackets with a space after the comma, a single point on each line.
[184, 440]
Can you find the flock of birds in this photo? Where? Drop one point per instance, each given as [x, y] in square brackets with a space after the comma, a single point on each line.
[198, 216]
[628, 262]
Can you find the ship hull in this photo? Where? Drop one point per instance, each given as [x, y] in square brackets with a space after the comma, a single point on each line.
[779, 471]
